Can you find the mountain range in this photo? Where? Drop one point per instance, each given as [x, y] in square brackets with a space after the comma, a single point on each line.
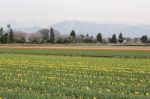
[106, 30]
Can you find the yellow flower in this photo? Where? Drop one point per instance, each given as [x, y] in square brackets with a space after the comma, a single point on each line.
[147, 94]
[136, 93]
[108, 90]
[87, 88]
[94, 97]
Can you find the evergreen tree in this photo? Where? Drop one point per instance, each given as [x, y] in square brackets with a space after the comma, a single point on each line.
[52, 36]
[99, 37]
[114, 39]
[8, 37]
[1, 33]
[87, 35]
[120, 39]
[5, 38]
[73, 34]
[144, 39]
[11, 37]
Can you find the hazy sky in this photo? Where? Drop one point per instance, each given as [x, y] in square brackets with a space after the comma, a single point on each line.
[100, 11]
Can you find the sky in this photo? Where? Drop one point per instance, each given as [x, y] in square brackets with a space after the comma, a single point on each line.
[53, 11]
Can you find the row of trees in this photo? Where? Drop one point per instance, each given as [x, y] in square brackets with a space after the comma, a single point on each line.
[111, 40]
[53, 36]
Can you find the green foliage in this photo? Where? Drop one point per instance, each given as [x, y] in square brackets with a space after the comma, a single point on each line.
[120, 39]
[144, 39]
[113, 39]
[79, 52]
[1, 33]
[11, 37]
[46, 77]
[52, 36]
[73, 34]
[5, 38]
[99, 37]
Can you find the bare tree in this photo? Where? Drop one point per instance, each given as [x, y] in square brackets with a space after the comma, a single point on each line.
[35, 37]
[20, 37]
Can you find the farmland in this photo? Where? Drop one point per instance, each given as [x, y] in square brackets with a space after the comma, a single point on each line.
[64, 73]
[93, 51]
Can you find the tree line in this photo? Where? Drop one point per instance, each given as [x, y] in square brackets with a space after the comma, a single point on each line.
[53, 36]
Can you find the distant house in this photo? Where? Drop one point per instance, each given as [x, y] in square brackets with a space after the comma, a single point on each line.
[128, 41]
[137, 40]
[105, 40]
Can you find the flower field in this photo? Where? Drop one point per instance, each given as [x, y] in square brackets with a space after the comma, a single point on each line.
[26, 76]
